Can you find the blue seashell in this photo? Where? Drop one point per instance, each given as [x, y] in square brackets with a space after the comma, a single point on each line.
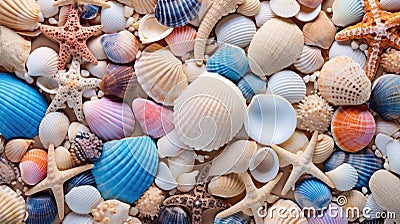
[41, 208]
[176, 13]
[229, 61]
[126, 168]
[85, 178]
[174, 215]
[385, 97]
[89, 11]
[364, 161]
[237, 218]
[313, 193]
[22, 108]
[251, 85]
[332, 215]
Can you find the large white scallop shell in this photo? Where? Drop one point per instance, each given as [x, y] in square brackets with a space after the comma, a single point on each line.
[344, 177]
[20, 15]
[113, 18]
[42, 61]
[53, 129]
[346, 12]
[150, 30]
[82, 199]
[15, 149]
[235, 29]
[287, 84]
[310, 60]
[264, 165]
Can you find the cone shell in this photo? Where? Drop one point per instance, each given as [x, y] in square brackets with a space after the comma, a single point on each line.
[310, 60]
[345, 177]
[73, 218]
[21, 15]
[16, 148]
[226, 186]
[150, 30]
[385, 188]
[312, 193]
[144, 6]
[160, 74]
[41, 208]
[343, 82]
[346, 12]
[120, 47]
[181, 40]
[287, 208]
[264, 165]
[249, 7]
[33, 166]
[64, 160]
[354, 199]
[323, 149]
[112, 18]
[320, 32]
[385, 97]
[8, 172]
[12, 208]
[42, 61]
[237, 218]
[343, 48]
[235, 29]
[265, 14]
[53, 129]
[83, 199]
[285, 8]
[288, 85]
[329, 216]
[173, 215]
[393, 155]
[119, 81]
[176, 13]
[276, 45]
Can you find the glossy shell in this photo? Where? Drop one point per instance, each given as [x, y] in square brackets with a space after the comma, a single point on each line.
[13, 209]
[345, 177]
[173, 215]
[119, 81]
[346, 12]
[113, 18]
[120, 47]
[287, 84]
[235, 29]
[22, 15]
[385, 97]
[53, 129]
[63, 158]
[312, 193]
[176, 13]
[320, 32]
[150, 30]
[41, 208]
[33, 166]
[42, 61]
[264, 165]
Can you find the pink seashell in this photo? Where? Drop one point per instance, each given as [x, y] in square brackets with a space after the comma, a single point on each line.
[109, 119]
[154, 119]
[181, 40]
[310, 3]
[33, 166]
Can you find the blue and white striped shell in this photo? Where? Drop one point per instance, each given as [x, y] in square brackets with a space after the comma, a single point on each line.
[85, 178]
[385, 97]
[235, 29]
[176, 13]
[251, 85]
[312, 193]
[41, 209]
[237, 218]
[173, 215]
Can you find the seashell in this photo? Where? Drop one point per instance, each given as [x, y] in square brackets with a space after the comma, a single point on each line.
[346, 12]
[63, 15]
[328, 216]
[237, 218]
[176, 13]
[354, 199]
[33, 166]
[251, 85]
[209, 91]
[263, 113]
[120, 47]
[393, 155]
[20, 15]
[149, 203]
[389, 61]
[390, 5]
[264, 165]
[343, 82]
[276, 45]
[112, 18]
[16, 148]
[235, 29]
[239, 153]
[226, 186]
[288, 85]
[119, 81]
[86, 147]
[73, 218]
[287, 208]
[75, 128]
[144, 6]
[182, 163]
[47, 8]
[265, 14]
[126, 168]
[8, 171]
[285, 8]
[83, 199]
[53, 129]
[192, 70]
[97, 70]
[365, 162]
[181, 40]
[86, 178]
[323, 148]
[310, 3]
[47, 84]
[22, 108]
[170, 145]
[150, 30]
[41, 208]
[160, 74]
[382, 141]
[42, 61]
[173, 215]
[343, 48]
[89, 11]
[229, 61]
[187, 181]
[312, 193]
[164, 178]
[310, 60]
[307, 14]
[13, 207]
[63, 159]
[96, 47]
[109, 119]
[111, 211]
[374, 208]
[249, 7]
[352, 128]
[385, 96]
[320, 32]
[345, 177]
[155, 120]
[297, 142]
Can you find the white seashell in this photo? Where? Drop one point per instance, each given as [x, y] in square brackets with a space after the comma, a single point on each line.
[310, 60]
[264, 165]
[386, 127]
[82, 199]
[43, 61]
[323, 149]
[390, 5]
[285, 8]
[345, 49]
[235, 29]
[170, 145]
[393, 155]
[47, 84]
[226, 186]
[249, 7]
[265, 14]
[15, 149]
[150, 30]
[297, 142]
[53, 129]
[74, 128]
[346, 12]
[111, 211]
[355, 200]
[192, 70]
[374, 208]
[97, 70]
[307, 14]
[63, 158]
[182, 163]
[164, 178]
[144, 6]
[74, 218]
[97, 49]
[47, 8]
[113, 18]
[187, 181]
[288, 85]
[344, 177]
[382, 141]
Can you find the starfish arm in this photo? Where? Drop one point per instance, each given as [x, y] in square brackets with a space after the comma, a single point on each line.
[294, 176]
[64, 56]
[91, 83]
[76, 102]
[309, 151]
[43, 185]
[57, 102]
[248, 182]
[257, 217]
[51, 31]
[180, 200]
[313, 170]
[266, 189]
[58, 192]
[373, 60]
[394, 40]
[350, 33]
[394, 21]
[87, 32]
[68, 174]
[85, 53]
[290, 157]
[215, 203]
[63, 2]
[272, 198]
[240, 206]
[370, 5]
[101, 3]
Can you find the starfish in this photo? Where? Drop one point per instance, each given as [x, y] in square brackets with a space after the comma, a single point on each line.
[302, 163]
[71, 86]
[199, 200]
[101, 3]
[254, 199]
[72, 38]
[55, 180]
[378, 29]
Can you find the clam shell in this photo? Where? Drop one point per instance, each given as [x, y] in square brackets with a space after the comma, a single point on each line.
[346, 12]
[375, 209]
[144, 6]
[8, 171]
[47, 84]
[287, 208]
[13, 207]
[164, 178]
[355, 199]
[328, 216]
[170, 145]
[307, 14]
[226, 117]
[150, 30]
[96, 47]
[111, 211]
[16, 148]
[89, 11]
[226, 186]
[345, 177]
[251, 85]
[312, 193]
[42, 61]
[75, 128]
[320, 32]
[323, 149]
[173, 215]
[160, 74]
[21, 15]
[187, 181]
[97, 70]
[119, 81]
[310, 60]
[235, 29]
[285, 8]
[343, 48]
[310, 3]
[287, 84]
[385, 97]
[53, 129]
[265, 14]
[182, 163]
[264, 165]
[181, 40]
[276, 45]
[249, 7]
[64, 160]
[176, 13]
[86, 178]
[33, 166]
[393, 155]
[237, 218]
[297, 142]
[73, 218]
[41, 208]
[83, 199]
[47, 8]
[113, 18]
[390, 5]
[120, 47]
[382, 141]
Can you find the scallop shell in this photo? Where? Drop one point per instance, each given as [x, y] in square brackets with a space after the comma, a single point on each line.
[226, 186]
[390, 5]
[345, 177]
[33, 166]
[297, 142]
[13, 207]
[235, 29]
[164, 178]
[310, 60]
[182, 163]
[47, 8]
[160, 74]
[86, 178]
[176, 13]
[97, 70]
[42, 61]
[111, 211]
[343, 82]
[63, 15]
[96, 47]
[276, 45]
[307, 14]
[109, 119]
[119, 81]
[393, 155]
[285, 216]
[150, 30]
[374, 209]
[343, 48]
[323, 148]
[113, 18]
[41, 208]
[8, 171]
[120, 47]
[251, 85]
[53, 129]
[354, 199]
[173, 215]
[329, 215]
[63, 158]
[249, 7]
[16, 148]
[385, 97]
[287, 84]
[312, 193]
[320, 32]
[346, 12]
[181, 40]
[237, 218]
[83, 199]
[285, 8]
[73, 218]
[75, 128]
[265, 14]
[144, 6]
[264, 165]
[20, 15]
[226, 117]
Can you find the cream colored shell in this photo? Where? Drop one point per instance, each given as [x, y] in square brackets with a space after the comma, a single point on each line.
[249, 7]
[20, 15]
[226, 186]
[320, 32]
[323, 149]
[15, 149]
[12, 206]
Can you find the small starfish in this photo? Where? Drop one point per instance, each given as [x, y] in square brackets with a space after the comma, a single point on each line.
[199, 200]
[72, 38]
[55, 180]
[378, 29]
[254, 199]
[71, 86]
[302, 163]
[101, 3]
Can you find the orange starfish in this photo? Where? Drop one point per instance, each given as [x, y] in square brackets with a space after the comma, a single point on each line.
[378, 30]
[72, 38]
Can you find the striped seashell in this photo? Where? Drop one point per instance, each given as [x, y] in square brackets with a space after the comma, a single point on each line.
[345, 177]
[63, 158]
[118, 81]
[144, 6]
[181, 40]
[287, 208]
[251, 85]
[343, 48]
[249, 7]
[285, 8]
[47, 8]
[390, 5]
[20, 15]
[120, 47]
[320, 32]
[150, 30]
[173, 215]
[393, 156]
[83, 199]
[96, 47]
[33, 166]
[63, 15]
[237, 218]
[8, 171]
[13, 209]
[111, 211]
[310, 3]
[312, 193]
[16, 148]
[354, 199]
[42, 61]
[112, 18]
[375, 209]
[86, 147]
[85, 178]
[41, 208]
[328, 216]
[287, 84]
[176, 13]
[75, 128]
[346, 12]
[265, 14]
[226, 186]
[53, 129]
[323, 148]
[381, 142]
[235, 29]
[310, 60]
[385, 97]
[73, 218]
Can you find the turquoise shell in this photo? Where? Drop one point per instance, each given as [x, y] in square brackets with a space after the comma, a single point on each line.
[126, 169]
[41, 208]
[251, 85]
[237, 218]
[85, 178]
[313, 193]
[176, 13]
[385, 97]
[329, 216]
[175, 215]
[22, 108]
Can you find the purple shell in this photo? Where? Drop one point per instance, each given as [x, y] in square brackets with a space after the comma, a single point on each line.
[332, 215]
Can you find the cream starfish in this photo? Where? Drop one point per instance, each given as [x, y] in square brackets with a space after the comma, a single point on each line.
[55, 180]
[71, 86]
[378, 29]
[302, 163]
[101, 3]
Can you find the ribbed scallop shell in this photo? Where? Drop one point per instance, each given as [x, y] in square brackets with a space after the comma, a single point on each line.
[251, 85]
[41, 209]
[42, 62]
[323, 149]
[237, 218]
[144, 6]
[119, 81]
[16, 148]
[385, 188]
[63, 158]
[288, 85]
[21, 15]
[150, 30]
[285, 8]
[265, 14]
[345, 177]
[8, 171]
[385, 97]
[120, 47]
[53, 129]
[235, 29]
[33, 166]
[354, 199]
[249, 7]
[12, 209]
[160, 74]
[176, 13]
[330, 216]
[346, 12]
[109, 119]
[343, 48]
[181, 40]
[287, 208]
[226, 186]
[113, 18]
[312, 193]
[320, 32]
[375, 209]
[73, 218]
[83, 199]
[352, 128]
[96, 47]
[390, 5]
[393, 155]
[85, 178]
[173, 215]
[382, 141]
[310, 60]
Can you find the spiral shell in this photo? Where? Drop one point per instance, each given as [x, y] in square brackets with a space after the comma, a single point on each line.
[21, 15]
[13, 207]
[53, 129]
[33, 166]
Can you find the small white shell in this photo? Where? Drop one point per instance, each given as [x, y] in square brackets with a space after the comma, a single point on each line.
[74, 218]
[47, 8]
[307, 14]
[97, 49]
[192, 70]
[235, 29]
[310, 60]
[170, 145]
[344, 177]
[83, 199]
[97, 70]
[182, 163]
[226, 186]
[345, 49]
[187, 181]
[63, 158]
[393, 155]
[164, 178]
[150, 30]
[53, 129]
[74, 128]
[15, 149]
[288, 85]
[264, 165]
[382, 141]
[285, 8]
[113, 18]
[47, 84]
[346, 12]
[43, 61]
[265, 14]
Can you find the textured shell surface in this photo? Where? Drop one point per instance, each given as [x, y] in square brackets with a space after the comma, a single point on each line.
[144, 6]
[327, 216]
[75, 128]
[297, 142]
[237, 218]
[346, 12]
[314, 114]
[41, 208]
[249, 7]
[113, 18]
[385, 97]
[324, 148]
[150, 30]
[176, 13]
[343, 48]
[312, 193]
[120, 47]
[393, 155]
[235, 29]
[264, 165]
[354, 199]
[8, 171]
[13, 209]
[345, 177]
[226, 186]
[285, 8]
[310, 60]
[251, 85]
[63, 158]
[265, 13]
[16, 148]
[181, 40]
[112, 211]
[119, 81]
[389, 61]
[33, 166]
[287, 208]
[320, 32]
[53, 129]
[83, 199]
[85, 178]
[73, 218]
[173, 215]
[21, 15]
[287, 84]
[42, 61]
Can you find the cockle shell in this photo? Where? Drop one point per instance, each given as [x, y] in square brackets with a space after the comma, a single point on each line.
[96, 47]
[13, 209]
[120, 47]
[310, 60]
[393, 155]
[16, 148]
[150, 30]
[21, 15]
[111, 211]
[63, 158]
[47, 8]
[176, 13]
[41, 208]
[160, 74]
[235, 29]
[329, 215]
[346, 12]
[164, 178]
[312, 193]
[265, 14]
[343, 48]
[33, 166]
[173, 215]
[320, 32]
[390, 5]
[287, 208]
[42, 61]
[181, 40]
[73, 218]
[287, 84]
[264, 165]
[323, 148]
[226, 186]
[249, 7]
[8, 171]
[345, 177]
[75, 128]
[144, 6]
[354, 199]
[389, 61]
[385, 97]
[119, 81]
[251, 85]
[285, 8]
[83, 199]
[113, 18]
[53, 129]
[276, 45]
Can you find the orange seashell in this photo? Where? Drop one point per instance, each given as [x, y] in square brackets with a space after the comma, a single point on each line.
[352, 128]
[181, 40]
[33, 166]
